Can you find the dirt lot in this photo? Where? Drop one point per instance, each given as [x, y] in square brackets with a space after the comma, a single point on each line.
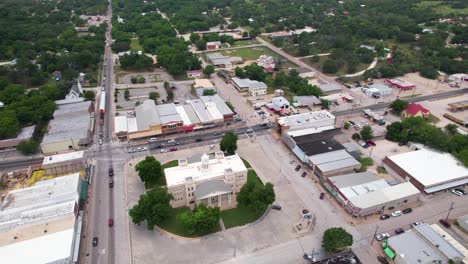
[151, 77]
[439, 108]
[138, 94]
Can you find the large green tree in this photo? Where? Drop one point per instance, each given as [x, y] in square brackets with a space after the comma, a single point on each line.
[149, 169]
[201, 220]
[366, 133]
[229, 143]
[209, 69]
[28, 147]
[256, 196]
[10, 124]
[398, 106]
[336, 239]
[153, 206]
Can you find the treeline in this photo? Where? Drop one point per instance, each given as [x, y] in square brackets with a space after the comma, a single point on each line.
[155, 34]
[416, 129]
[134, 61]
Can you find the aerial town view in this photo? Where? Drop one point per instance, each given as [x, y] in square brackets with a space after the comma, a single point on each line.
[234, 132]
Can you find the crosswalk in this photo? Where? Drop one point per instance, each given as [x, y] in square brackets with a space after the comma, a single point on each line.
[110, 159]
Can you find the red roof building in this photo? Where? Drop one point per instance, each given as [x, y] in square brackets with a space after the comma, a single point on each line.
[416, 110]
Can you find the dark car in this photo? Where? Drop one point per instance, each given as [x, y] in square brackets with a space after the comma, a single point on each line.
[384, 217]
[298, 167]
[198, 140]
[322, 195]
[460, 190]
[111, 183]
[304, 174]
[445, 223]
[95, 241]
[111, 222]
[173, 149]
[111, 171]
[399, 231]
[407, 210]
[216, 134]
[370, 142]
[382, 260]
[351, 122]
[276, 207]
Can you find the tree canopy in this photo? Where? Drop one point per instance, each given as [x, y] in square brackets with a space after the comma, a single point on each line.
[366, 133]
[153, 206]
[256, 196]
[149, 169]
[336, 239]
[398, 106]
[229, 143]
[201, 220]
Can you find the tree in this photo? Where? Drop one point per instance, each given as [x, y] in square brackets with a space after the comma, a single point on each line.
[398, 106]
[209, 69]
[10, 125]
[256, 196]
[336, 238]
[229, 143]
[200, 44]
[201, 220]
[28, 147]
[346, 125]
[194, 37]
[127, 94]
[366, 133]
[330, 67]
[89, 95]
[451, 129]
[153, 206]
[325, 103]
[170, 96]
[207, 92]
[153, 96]
[394, 131]
[239, 72]
[255, 72]
[149, 169]
[356, 136]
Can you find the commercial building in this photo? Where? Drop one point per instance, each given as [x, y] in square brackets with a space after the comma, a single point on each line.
[25, 134]
[213, 45]
[42, 223]
[377, 90]
[426, 244]
[331, 161]
[169, 118]
[364, 194]
[330, 88]
[400, 84]
[202, 113]
[429, 170]
[71, 128]
[306, 101]
[222, 61]
[316, 119]
[121, 127]
[304, 72]
[221, 106]
[147, 121]
[414, 109]
[64, 163]
[213, 182]
[338, 97]
[255, 88]
[278, 104]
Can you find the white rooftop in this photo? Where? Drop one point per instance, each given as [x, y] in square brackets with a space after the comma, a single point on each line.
[431, 167]
[63, 157]
[183, 115]
[132, 124]
[205, 83]
[120, 124]
[384, 195]
[306, 118]
[214, 112]
[217, 167]
[51, 248]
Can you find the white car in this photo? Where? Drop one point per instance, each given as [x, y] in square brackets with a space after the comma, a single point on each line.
[416, 224]
[171, 141]
[141, 149]
[212, 146]
[164, 150]
[456, 192]
[151, 139]
[396, 213]
[382, 236]
[100, 141]
[249, 130]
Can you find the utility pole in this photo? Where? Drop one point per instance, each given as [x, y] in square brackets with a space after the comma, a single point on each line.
[375, 233]
[450, 210]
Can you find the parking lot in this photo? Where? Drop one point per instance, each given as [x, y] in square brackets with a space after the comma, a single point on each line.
[138, 95]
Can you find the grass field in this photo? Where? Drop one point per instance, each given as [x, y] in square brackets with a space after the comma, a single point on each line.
[242, 43]
[442, 8]
[341, 70]
[174, 226]
[238, 216]
[250, 53]
[135, 45]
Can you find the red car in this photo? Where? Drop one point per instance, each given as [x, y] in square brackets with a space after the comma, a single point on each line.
[322, 195]
[173, 149]
[370, 142]
[111, 222]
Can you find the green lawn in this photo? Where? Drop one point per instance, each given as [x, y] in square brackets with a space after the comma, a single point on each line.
[174, 226]
[241, 43]
[161, 181]
[252, 176]
[250, 53]
[238, 216]
[443, 8]
[341, 71]
[135, 45]
[246, 163]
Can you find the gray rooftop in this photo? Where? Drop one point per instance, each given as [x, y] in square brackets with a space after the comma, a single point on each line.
[338, 164]
[168, 113]
[25, 134]
[191, 114]
[247, 83]
[72, 108]
[352, 179]
[330, 87]
[214, 56]
[68, 126]
[200, 110]
[220, 104]
[210, 188]
[463, 221]
[146, 114]
[307, 100]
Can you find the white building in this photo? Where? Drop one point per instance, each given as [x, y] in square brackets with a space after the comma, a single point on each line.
[316, 119]
[214, 182]
[255, 88]
[278, 104]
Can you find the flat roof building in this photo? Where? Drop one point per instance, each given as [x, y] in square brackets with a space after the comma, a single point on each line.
[203, 83]
[201, 111]
[71, 129]
[330, 88]
[429, 170]
[314, 119]
[214, 182]
[222, 107]
[25, 133]
[333, 162]
[64, 163]
[247, 84]
[278, 104]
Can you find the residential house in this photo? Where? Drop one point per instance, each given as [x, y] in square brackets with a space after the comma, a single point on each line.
[414, 109]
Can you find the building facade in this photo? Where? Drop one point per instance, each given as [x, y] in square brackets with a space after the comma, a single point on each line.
[213, 182]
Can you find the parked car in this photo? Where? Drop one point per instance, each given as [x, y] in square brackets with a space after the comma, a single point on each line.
[100, 141]
[445, 223]
[212, 146]
[111, 183]
[95, 241]
[382, 260]
[456, 192]
[144, 148]
[416, 224]
[396, 213]
[171, 141]
[407, 210]
[460, 190]
[173, 149]
[351, 123]
[322, 195]
[304, 174]
[291, 161]
[139, 149]
[399, 231]
[372, 143]
[276, 207]
[298, 167]
[163, 151]
[100, 133]
[249, 130]
[198, 139]
[382, 236]
[111, 171]
[216, 134]
[384, 217]
[111, 222]
[151, 139]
